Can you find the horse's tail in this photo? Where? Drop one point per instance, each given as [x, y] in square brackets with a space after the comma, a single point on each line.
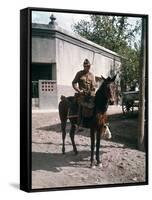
[63, 98]
[63, 108]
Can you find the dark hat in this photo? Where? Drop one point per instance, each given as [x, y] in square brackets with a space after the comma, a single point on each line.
[86, 61]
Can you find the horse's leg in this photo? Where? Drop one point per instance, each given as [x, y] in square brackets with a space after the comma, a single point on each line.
[63, 112]
[63, 128]
[98, 148]
[92, 136]
[72, 134]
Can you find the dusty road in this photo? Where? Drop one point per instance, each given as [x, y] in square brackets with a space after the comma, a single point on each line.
[122, 162]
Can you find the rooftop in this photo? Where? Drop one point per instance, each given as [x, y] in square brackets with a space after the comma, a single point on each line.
[53, 27]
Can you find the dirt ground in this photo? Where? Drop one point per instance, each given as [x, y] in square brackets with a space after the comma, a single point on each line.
[122, 162]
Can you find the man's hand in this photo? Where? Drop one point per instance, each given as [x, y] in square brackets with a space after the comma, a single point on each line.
[81, 92]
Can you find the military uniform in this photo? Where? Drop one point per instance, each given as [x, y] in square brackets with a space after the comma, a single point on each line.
[86, 82]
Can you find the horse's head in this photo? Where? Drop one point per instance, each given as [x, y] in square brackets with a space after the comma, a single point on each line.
[108, 89]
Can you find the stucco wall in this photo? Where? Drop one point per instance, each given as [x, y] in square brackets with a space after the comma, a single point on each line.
[102, 65]
[69, 60]
[67, 54]
[43, 50]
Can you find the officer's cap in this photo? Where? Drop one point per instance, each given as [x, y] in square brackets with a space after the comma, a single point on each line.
[86, 61]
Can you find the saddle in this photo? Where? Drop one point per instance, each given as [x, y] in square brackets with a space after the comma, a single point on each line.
[73, 107]
[87, 106]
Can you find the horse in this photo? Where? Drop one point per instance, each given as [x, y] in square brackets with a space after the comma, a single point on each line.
[97, 122]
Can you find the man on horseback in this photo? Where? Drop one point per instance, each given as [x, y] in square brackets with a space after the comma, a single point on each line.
[84, 85]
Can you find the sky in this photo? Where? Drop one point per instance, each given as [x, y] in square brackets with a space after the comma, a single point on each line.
[65, 20]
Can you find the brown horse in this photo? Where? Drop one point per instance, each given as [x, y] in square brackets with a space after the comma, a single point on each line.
[97, 123]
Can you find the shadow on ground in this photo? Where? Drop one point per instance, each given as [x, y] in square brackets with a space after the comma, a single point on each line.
[55, 161]
[124, 129]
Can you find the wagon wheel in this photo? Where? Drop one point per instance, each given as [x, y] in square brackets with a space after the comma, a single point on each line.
[127, 107]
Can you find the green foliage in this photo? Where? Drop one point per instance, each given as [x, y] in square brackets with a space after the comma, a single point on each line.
[117, 34]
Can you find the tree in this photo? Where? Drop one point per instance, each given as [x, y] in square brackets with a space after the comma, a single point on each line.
[117, 34]
[142, 101]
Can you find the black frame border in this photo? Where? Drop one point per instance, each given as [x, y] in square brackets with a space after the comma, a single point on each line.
[26, 101]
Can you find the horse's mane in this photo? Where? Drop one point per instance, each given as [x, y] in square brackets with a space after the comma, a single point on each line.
[101, 100]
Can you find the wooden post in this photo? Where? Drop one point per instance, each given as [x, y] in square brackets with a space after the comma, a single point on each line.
[142, 68]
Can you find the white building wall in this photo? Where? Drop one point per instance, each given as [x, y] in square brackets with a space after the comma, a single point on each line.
[69, 61]
[67, 55]
[43, 50]
[102, 65]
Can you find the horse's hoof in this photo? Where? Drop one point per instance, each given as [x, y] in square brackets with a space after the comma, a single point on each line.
[76, 152]
[92, 166]
[99, 165]
[63, 152]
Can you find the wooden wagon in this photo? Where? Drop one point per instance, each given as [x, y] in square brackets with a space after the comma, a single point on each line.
[130, 101]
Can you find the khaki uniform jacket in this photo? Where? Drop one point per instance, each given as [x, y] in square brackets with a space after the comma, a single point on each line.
[86, 81]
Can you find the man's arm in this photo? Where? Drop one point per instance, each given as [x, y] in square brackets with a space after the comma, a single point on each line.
[93, 85]
[75, 82]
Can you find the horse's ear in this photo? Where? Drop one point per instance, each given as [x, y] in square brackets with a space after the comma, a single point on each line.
[113, 79]
[103, 78]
